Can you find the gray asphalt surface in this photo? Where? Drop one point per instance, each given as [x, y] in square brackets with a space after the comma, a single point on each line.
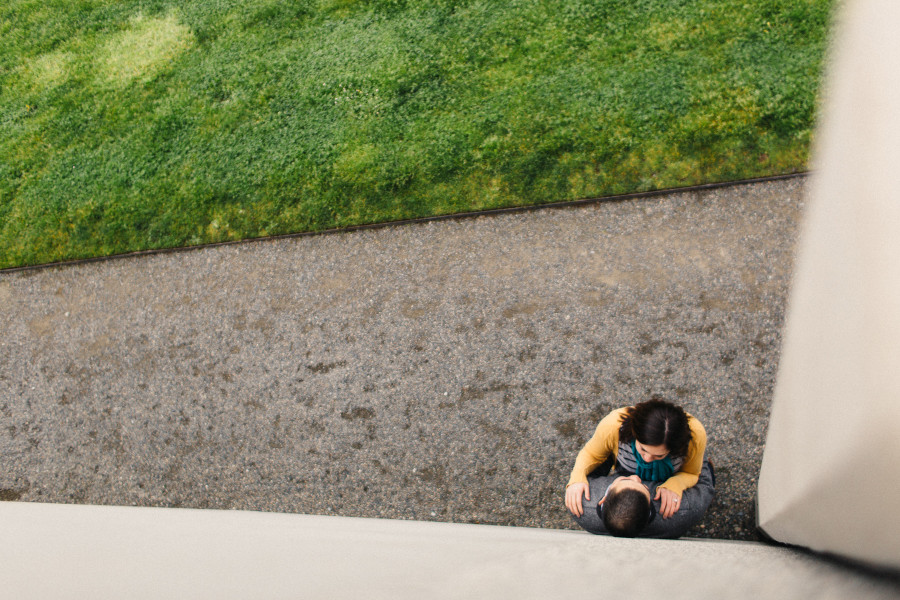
[443, 371]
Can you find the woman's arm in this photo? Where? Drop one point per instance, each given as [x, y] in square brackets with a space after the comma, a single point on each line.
[603, 444]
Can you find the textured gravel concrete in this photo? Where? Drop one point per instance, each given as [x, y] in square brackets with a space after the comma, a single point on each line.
[442, 371]
[123, 552]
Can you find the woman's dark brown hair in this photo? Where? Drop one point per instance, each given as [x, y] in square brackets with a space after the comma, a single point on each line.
[657, 423]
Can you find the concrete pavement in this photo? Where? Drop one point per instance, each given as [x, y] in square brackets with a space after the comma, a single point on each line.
[444, 371]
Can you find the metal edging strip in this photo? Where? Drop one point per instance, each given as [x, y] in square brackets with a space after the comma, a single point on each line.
[385, 224]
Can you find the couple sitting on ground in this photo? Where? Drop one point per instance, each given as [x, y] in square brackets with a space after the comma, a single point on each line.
[662, 485]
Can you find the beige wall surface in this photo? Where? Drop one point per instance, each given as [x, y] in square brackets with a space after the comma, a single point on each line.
[829, 478]
[76, 551]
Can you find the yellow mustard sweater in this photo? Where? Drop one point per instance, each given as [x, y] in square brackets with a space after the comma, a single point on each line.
[605, 443]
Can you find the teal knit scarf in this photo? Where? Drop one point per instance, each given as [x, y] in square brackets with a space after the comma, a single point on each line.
[658, 470]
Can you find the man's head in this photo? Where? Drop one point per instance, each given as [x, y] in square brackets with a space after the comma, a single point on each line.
[625, 509]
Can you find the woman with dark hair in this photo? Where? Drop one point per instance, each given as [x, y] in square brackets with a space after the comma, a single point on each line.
[655, 440]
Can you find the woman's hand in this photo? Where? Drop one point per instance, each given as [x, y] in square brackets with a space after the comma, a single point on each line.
[669, 501]
[574, 494]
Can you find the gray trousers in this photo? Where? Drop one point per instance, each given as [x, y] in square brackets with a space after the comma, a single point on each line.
[694, 502]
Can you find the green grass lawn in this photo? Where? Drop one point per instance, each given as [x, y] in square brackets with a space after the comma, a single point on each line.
[135, 124]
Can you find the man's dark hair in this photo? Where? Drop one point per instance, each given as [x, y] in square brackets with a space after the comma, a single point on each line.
[625, 513]
[657, 423]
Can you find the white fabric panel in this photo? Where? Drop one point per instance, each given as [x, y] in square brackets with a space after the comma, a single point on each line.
[830, 477]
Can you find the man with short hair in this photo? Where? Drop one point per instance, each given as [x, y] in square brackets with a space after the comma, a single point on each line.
[626, 507]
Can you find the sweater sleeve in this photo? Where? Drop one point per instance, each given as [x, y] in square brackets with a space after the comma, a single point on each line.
[603, 444]
[693, 462]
